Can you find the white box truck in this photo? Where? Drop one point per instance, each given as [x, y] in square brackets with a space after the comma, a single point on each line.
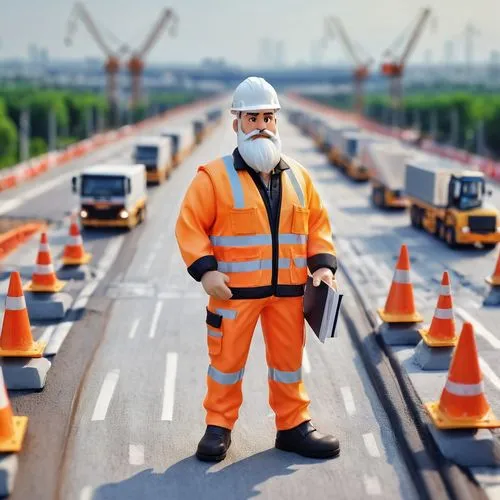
[449, 201]
[156, 154]
[385, 162]
[351, 148]
[111, 195]
[182, 140]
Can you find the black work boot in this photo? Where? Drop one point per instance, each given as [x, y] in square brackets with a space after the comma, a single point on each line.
[307, 441]
[214, 444]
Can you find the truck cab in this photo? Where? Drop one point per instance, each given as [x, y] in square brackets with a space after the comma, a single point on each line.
[156, 155]
[111, 195]
[449, 201]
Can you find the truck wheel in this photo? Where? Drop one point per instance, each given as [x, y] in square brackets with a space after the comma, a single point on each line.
[379, 197]
[489, 246]
[438, 229]
[415, 217]
[450, 237]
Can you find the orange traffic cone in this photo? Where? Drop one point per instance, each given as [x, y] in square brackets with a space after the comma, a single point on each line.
[16, 339]
[463, 403]
[442, 330]
[400, 304]
[44, 278]
[494, 279]
[12, 429]
[74, 253]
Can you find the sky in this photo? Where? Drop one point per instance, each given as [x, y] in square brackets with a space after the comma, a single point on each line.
[235, 29]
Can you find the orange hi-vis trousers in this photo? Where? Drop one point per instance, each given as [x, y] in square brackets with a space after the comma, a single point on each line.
[230, 327]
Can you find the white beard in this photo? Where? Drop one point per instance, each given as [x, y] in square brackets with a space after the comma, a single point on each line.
[260, 154]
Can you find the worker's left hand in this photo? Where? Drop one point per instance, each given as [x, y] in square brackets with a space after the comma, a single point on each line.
[326, 275]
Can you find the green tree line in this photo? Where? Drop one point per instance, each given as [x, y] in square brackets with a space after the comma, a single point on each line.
[74, 112]
[433, 112]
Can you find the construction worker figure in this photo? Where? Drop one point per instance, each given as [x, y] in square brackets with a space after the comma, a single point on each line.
[250, 225]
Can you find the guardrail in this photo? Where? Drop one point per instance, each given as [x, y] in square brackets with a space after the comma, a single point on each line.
[13, 176]
[10, 240]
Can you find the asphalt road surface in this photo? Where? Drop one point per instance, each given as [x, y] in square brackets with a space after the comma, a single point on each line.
[372, 237]
[130, 377]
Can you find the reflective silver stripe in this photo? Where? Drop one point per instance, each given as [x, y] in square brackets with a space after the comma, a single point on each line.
[464, 389]
[401, 276]
[445, 290]
[285, 377]
[44, 269]
[75, 241]
[296, 185]
[15, 303]
[225, 378]
[443, 313]
[44, 247]
[251, 265]
[234, 178]
[300, 261]
[213, 333]
[227, 313]
[292, 239]
[257, 240]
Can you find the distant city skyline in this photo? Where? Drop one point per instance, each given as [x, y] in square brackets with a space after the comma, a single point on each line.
[239, 32]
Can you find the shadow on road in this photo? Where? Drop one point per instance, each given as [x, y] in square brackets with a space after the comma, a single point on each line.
[190, 479]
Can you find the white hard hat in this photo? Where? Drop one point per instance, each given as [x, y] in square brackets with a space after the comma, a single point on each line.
[254, 94]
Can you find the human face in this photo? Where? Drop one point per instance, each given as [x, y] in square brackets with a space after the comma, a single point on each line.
[258, 140]
[259, 120]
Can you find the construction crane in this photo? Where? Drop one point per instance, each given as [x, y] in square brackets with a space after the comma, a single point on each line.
[393, 67]
[333, 27]
[136, 62]
[112, 65]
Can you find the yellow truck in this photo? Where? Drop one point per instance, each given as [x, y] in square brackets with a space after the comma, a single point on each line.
[385, 162]
[448, 201]
[156, 154]
[182, 140]
[351, 147]
[334, 141]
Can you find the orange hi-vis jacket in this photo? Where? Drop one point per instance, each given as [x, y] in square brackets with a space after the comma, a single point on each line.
[226, 224]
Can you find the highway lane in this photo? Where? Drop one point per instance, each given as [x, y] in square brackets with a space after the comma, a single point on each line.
[49, 410]
[139, 415]
[49, 197]
[371, 238]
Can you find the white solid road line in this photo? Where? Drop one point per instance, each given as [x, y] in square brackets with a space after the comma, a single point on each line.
[489, 373]
[348, 400]
[372, 485]
[156, 317]
[136, 454]
[478, 327]
[305, 362]
[107, 390]
[371, 445]
[133, 330]
[86, 493]
[169, 389]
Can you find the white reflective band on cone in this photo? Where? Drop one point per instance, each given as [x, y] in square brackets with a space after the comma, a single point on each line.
[443, 313]
[44, 269]
[15, 303]
[75, 241]
[445, 290]
[464, 389]
[4, 400]
[401, 276]
[44, 247]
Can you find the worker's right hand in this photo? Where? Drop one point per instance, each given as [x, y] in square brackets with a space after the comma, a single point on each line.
[214, 283]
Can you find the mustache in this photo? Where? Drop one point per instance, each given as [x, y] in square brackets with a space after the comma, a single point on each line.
[266, 133]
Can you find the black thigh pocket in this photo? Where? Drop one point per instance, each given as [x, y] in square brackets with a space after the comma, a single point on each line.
[214, 333]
